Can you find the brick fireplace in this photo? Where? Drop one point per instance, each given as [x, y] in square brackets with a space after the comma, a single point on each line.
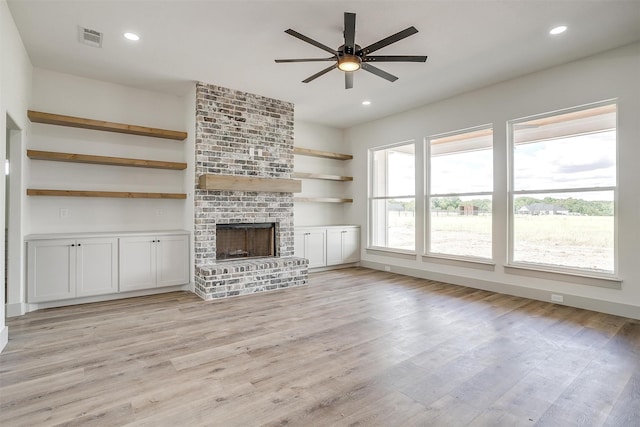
[244, 136]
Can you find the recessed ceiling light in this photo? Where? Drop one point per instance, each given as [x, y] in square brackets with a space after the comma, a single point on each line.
[558, 30]
[366, 102]
[132, 36]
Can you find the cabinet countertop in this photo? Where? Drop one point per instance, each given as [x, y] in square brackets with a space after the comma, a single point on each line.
[103, 234]
[327, 226]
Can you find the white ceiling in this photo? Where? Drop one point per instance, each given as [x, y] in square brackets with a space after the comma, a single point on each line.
[470, 44]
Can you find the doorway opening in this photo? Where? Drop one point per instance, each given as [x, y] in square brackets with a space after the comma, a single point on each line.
[14, 293]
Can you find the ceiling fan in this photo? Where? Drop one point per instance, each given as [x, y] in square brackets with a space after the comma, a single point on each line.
[351, 57]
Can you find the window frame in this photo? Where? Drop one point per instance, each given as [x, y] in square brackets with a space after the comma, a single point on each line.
[512, 193]
[371, 199]
[428, 196]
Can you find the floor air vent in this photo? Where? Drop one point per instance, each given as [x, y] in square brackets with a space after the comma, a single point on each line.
[90, 37]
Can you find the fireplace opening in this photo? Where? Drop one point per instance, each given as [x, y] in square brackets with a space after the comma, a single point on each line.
[235, 241]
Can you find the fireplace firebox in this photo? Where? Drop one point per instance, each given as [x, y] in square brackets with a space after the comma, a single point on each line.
[245, 240]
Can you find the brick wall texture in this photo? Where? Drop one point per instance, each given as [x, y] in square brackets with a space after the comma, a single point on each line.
[238, 133]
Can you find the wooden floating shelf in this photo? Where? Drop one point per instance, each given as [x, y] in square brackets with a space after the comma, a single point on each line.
[103, 160]
[116, 194]
[78, 122]
[322, 199]
[247, 183]
[324, 154]
[305, 175]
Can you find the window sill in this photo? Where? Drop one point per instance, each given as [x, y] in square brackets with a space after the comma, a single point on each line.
[611, 282]
[479, 263]
[395, 253]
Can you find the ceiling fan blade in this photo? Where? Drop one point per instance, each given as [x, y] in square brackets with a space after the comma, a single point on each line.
[348, 79]
[310, 41]
[280, 61]
[388, 40]
[395, 58]
[318, 74]
[349, 33]
[378, 72]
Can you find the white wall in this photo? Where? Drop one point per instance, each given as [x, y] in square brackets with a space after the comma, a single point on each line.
[15, 82]
[188, 216]
[324, 138]
[75, 96]
[70, 95]
[613, 74]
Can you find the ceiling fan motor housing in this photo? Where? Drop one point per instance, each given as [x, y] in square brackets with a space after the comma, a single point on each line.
[349, 61]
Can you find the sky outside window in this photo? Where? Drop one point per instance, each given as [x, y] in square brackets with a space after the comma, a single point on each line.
[585, 161]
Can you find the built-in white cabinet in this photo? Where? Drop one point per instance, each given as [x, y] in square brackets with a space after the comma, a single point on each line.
[96, 267]
[310, 243]
[137, 263]
[153, 261]
[63, 267]
[343, 245]
[71, 268]
[328, 245]
[172, 260]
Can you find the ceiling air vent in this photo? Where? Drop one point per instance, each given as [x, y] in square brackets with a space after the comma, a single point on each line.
[90, 37]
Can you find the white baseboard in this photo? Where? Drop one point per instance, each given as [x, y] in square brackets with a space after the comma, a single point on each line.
[617, 309]
[109, 297]
[333, 267]
[21, 308]
[15, 309]
[4, 337]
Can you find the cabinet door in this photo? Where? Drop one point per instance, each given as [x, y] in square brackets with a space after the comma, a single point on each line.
[343, 245]
[51, 266]
[350, 245]
[315, 247]
[137, 263]
[334, 246]
[172, 260]
[96, 266]
[299, 243]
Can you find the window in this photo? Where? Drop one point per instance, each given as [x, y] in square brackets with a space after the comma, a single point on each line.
[564, 189]
[459, 193]
[392, 197]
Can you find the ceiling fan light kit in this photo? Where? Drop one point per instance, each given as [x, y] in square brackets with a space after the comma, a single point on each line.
[351, 57]
[349, 63]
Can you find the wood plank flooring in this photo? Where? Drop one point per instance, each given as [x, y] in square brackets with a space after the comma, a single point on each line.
[356, 347]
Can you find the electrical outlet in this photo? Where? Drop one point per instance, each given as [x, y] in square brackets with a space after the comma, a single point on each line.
[251, 151]
[64, 213]
[387, 268]
[557, 298]
[159, 212]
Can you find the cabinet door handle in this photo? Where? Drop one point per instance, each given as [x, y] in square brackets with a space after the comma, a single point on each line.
[78, 244]
[158, 241]
[73, 245]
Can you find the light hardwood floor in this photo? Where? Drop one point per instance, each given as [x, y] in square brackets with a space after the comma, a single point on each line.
[355, 347]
